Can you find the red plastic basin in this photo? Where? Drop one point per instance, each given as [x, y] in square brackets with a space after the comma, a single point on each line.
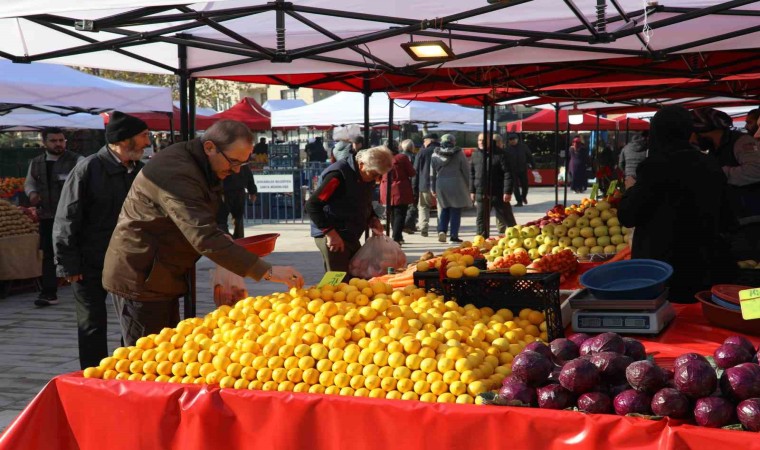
[260, 245]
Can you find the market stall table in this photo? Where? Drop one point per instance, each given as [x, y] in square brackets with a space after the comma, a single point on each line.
[72, 412]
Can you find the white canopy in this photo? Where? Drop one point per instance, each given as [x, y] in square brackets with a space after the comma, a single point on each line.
[20, 37]
[282, 105]
[348, 107]
[55, 86]
[21, 120]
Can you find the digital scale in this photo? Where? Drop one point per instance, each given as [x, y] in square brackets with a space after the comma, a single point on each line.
[624, 321]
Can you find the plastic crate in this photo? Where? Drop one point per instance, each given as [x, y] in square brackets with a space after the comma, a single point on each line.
[538, 291]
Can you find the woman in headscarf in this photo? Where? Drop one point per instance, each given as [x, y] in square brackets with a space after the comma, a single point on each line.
[450, 175]
[578, 159]
[678, 206]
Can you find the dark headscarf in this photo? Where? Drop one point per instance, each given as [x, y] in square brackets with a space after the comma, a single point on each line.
[670, 130]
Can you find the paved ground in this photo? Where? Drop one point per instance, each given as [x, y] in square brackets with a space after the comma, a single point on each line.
[39, 343]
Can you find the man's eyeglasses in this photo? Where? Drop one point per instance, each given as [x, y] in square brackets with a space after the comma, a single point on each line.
[234, 162]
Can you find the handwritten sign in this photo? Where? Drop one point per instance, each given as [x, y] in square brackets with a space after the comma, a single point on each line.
[613, 186]
[332, 279]
[594, 191]
[749, 300]
[274, 183]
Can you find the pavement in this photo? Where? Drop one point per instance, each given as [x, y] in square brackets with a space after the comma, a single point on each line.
[40, 343]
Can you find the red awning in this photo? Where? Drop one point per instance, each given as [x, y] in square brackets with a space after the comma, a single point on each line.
[249, 112]
[631, 123]
[545, 121]
[158, 121]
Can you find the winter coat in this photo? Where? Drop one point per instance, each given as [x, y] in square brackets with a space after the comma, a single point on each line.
[421, 182]
[167, 222]
[632, 154]
[679, 208]
[401, 184]
[342, 150]
[450, 174]
[90, 203]
[49, 186]
[501, 174]
[519, 157]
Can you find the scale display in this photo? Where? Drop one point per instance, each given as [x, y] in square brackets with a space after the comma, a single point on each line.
[621, 321]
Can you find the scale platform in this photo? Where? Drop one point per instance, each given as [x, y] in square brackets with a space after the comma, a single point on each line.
[583, 299]
[623, 321]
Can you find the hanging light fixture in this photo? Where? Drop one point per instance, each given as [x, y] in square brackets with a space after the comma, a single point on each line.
[428, 50]
[575, 116]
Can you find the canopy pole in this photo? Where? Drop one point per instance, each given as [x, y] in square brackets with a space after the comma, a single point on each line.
[627, 128]
[485, 213]
[367, 93]
[389, 175]
[556, 154]
[567, 161]
[598, 141]
[183, 126]
[171, 126]
[487, 173]
[191, 104]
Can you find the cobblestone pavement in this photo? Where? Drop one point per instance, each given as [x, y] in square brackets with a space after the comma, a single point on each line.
[40, 343]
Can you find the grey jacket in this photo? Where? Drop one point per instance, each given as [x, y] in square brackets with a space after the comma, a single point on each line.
[421, 182]
[632, 155]
[450, 174]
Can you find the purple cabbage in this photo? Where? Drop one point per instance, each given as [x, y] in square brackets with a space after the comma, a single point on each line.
[686, 357]
[634, 349]
[532, 368]
[748, 412]
[714, 412]
[539, 347]
[730, 355]
[645, 376]
[608, 342]
[518, 392]
[611, 366]
[670, 402]
[586, 346]
[741, 382]
[579, 376]
[741, 341]
[564, 349]
[595, 403]
[632, 402]
[554, 396]
[695, 379]
[579, 338]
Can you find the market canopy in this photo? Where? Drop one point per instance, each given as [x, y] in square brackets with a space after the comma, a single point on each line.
[254, 37]
[545, 120]
[282, 105]
[158, 121]
[348, 107]
[625, 122]
[56, 88]
[23, 119]
[249, 112]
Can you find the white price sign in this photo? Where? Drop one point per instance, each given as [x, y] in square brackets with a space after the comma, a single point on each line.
[274, 183]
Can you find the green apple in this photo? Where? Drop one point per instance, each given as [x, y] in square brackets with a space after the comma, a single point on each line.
[569, 222]
[514, 243]
[534, 253]
[582, 222]
[565, 242]
[596, 250]
[572, 249]
[525, 233]
[582, 251]
[578, 241]
[519, 250]
[603, 241]
[621, 247]
[616, 239]
[543, 249]
[590, 213]
[590, 242]
[573, 232]
[613, 222]
[490, 258]
[627, 238]
[548, 229]
[605, 215]
[512, 232]
[610, 249]
[587, 232]
[533, 231]
[616, 230]
[552, 241]
[595, 222]
[540, 238]
[626, 230]
[496, 251]
[601, 231]
[603, 205]
[557, 249]
[560, 231]
[529, 243]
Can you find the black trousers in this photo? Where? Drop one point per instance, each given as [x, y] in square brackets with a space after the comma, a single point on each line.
[503, 211]
[234, 203]
[398, 221]
[92, 320]
[337, 261]
[49, 278]
[138, 319]
[411, 217]
[521, 186]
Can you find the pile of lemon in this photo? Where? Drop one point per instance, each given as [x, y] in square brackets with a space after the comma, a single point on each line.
[356, 339]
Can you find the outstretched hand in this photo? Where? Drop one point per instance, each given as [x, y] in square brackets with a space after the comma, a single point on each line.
[288, 276]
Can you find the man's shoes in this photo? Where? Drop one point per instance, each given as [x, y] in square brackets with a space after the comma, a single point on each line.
[518, 205]
[400, 243]
[46, 300]
[525, 201]
[441, 237]
[424, 233]
[455, 240]
[409, 231]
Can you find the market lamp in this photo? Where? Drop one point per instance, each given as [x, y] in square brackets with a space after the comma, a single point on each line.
[428, 50]
[575, 116]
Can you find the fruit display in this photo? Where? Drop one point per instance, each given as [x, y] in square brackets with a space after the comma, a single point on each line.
[609, 374]
[564, 262]
[356, 339]
[11, 186]
[14, 222]
[748, 264]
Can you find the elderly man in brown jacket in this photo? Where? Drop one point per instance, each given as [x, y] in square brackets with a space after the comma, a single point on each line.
[168, 222]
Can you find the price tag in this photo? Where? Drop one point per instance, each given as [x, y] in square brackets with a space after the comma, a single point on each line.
[749, 300]
[332, 279]
[594, 191]
[613, 186]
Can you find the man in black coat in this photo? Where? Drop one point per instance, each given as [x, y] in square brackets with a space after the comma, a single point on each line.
[421, 186]
[501, 186]
[235, 186]
[87, 212]
[519, 159]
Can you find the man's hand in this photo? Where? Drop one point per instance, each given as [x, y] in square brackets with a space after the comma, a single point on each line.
[34, 199]
[74, 278]
[629, 182]
[334, 242]
[252, 197]
[287, 275]
[507, 198]
[376, 226]
[472, 197]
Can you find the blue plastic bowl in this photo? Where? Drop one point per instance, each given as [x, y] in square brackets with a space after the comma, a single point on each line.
[634, 279]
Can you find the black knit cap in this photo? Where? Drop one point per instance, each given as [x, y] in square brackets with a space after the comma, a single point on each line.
[123, 126]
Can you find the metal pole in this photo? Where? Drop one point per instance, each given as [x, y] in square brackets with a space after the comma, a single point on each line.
[367, 93]
[556, 154]
[489, 159]
[595, 158]
[171, 125]
[627, 128]
[567, 161]
[389, 175]
[183, 126]
[486, 212]
[191, 121]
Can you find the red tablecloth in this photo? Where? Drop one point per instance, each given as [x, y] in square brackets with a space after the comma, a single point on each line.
[72, 412]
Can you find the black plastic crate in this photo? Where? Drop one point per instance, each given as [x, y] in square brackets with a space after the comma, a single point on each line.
[539, 291]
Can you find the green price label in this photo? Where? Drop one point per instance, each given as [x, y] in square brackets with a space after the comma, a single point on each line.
[332, 279]
[594, 191]
[613, 186]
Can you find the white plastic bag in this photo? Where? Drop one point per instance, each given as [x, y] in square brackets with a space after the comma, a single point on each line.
[228, 287]
[346, 133]
[376, 256]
